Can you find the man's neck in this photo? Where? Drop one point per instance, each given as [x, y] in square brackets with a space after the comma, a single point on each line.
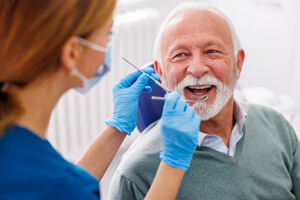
[222, 124]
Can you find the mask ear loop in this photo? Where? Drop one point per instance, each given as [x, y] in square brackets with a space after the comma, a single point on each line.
[95, 47]
[76, 73]
[91, 45]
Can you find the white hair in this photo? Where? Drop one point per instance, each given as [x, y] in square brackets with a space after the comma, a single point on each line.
[192, 7]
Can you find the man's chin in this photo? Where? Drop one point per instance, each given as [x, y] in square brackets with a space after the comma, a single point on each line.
[205, 112]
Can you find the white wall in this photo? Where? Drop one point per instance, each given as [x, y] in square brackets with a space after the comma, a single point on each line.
[295, 69]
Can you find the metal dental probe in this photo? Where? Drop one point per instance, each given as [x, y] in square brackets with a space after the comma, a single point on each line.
[157, 82]
[201, 99]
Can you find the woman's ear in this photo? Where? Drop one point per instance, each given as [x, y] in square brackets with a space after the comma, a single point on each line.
[70, 54]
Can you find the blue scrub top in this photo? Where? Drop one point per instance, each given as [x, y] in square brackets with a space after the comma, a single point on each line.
[30, 168]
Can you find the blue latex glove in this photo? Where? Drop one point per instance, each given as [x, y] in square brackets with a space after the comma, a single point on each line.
[179, 132]
[126, 94]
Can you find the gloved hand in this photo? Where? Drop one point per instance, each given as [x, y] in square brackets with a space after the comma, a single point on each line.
[179, 132]
[126, 94]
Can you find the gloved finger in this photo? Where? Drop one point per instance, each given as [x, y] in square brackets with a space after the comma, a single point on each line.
[171, 101]
[156, 77]
[123, 83]
[140, 83]
[147, 89]
[196, 121]
[191, 116]
[197, 118]
[190, 112]
[130, 78]
[148, 70]
[181, 105]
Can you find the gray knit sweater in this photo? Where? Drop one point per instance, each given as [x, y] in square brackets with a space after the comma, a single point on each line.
[266, 164]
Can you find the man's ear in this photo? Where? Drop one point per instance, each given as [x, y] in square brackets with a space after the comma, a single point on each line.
[240, 61]
[158, 69]
[70, 53]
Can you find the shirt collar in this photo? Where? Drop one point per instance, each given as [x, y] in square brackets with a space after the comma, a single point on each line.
[240, 116]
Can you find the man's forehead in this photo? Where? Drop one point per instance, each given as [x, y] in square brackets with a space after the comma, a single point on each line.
[174, 22]
[190, 21]
[196, 22]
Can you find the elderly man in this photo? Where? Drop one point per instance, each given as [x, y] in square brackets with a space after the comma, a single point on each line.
[244, 151]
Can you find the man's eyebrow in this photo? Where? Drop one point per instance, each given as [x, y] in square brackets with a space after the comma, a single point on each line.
[212, 42]
[180, 46]
[176, 47]
[215, 42]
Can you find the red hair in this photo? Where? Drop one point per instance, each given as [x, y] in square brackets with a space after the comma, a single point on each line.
[32, 33]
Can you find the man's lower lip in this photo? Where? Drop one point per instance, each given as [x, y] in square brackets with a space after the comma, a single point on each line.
[195, 96]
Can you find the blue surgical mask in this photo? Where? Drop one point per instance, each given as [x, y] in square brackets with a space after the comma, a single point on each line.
[88, 83]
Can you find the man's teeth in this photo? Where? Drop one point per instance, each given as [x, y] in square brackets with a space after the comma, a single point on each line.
[199, 87]
[199, 90]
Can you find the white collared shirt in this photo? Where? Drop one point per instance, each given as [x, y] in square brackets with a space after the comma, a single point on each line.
[216, 142]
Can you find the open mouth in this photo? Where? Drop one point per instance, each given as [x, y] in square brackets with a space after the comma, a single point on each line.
[199, 90]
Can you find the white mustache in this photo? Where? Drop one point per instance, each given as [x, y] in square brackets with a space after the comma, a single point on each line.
[205, 80]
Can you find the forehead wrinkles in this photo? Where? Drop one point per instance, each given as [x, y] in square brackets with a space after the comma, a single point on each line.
[193, 23]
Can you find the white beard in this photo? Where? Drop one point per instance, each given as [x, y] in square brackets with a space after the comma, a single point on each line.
[223, 94]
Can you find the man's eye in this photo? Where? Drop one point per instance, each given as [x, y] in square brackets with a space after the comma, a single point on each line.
[180, 55]
[211, 51]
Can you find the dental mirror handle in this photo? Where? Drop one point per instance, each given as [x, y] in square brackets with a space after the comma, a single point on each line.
[201, 99]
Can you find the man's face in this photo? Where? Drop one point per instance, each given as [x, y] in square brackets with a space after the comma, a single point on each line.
[198, 59]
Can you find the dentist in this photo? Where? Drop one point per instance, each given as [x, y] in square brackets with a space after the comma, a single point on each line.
[47, 48]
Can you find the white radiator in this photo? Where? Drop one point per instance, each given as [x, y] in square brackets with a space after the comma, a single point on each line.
[78, 119]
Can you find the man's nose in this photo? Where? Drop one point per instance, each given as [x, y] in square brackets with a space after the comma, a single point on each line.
[197, 66]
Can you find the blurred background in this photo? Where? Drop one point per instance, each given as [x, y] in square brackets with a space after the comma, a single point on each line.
[269, 31]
